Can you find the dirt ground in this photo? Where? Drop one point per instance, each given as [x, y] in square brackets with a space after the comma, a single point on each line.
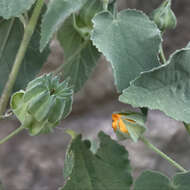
[36, 163]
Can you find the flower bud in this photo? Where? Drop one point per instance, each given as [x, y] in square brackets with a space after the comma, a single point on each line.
[43, 104]
[128, 125]
[164, 17]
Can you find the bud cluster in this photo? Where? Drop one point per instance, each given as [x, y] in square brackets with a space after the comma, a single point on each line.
[164, 17]
[43, 104]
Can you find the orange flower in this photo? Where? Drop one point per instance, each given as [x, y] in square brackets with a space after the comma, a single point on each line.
[122, 126]
[128, 125]
[115, 118]
[117, 122]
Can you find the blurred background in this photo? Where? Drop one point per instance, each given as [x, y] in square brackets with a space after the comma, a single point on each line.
[36, 163]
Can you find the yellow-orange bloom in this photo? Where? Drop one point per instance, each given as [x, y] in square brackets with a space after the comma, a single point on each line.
[117, 122]
[128, 125]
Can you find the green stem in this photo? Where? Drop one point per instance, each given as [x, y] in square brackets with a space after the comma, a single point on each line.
[75, 23]
[115, 10]
[105, 4]
[23, 20]
[83, 31]
[15, 132]
[72, 133]
[163, 155]
[29, 30]
[162, 56]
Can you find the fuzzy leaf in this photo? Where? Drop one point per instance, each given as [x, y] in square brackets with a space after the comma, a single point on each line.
[57, 12]
[166, 88]
[107, 169]
[14, 8]
[181, 181]
[80, 55]
[150, 180]
[123, 40]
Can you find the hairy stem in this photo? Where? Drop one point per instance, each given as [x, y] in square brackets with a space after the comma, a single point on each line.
[15, 132]
[72, 133]
[105, 4]
[163, 155]
[29, 30]
[162, 56]
[23, 20]
[115, 10]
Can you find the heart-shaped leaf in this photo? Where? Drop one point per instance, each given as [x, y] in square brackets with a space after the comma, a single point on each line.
[123, 40]
[107, 169]
[166, 88]
[80, 56]
[150, 180]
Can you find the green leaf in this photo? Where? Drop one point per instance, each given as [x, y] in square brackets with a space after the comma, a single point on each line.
[107, 169]
[150, 180]
[14, 8]
[88, 11]
[166, 88]
[181, 181]
[80, 56]
[11, 35]
[123, 40]
[57, 12]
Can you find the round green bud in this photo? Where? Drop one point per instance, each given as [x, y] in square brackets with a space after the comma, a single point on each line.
[164, 17]
[43, 104]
